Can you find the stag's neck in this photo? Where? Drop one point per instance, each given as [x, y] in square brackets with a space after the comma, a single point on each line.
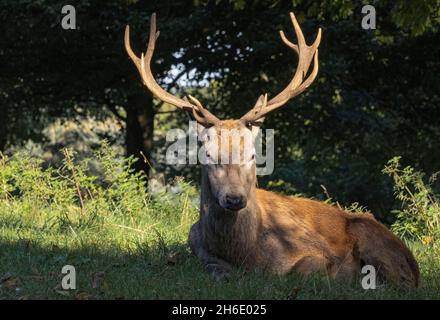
[233, 234]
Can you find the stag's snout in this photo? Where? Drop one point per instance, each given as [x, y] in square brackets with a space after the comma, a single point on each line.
[234, 202]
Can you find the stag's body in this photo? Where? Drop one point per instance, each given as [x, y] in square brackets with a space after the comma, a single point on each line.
[280, 234]
[244, 226]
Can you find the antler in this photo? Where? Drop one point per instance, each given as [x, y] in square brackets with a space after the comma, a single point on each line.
[202, 115]
[298, 84]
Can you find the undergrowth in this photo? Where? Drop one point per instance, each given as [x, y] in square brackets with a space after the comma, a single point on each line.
[128, 240]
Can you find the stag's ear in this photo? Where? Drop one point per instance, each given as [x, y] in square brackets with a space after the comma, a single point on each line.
[255, 127]
[255, 131]
[201, 130]
[261, 101]
[256, 124]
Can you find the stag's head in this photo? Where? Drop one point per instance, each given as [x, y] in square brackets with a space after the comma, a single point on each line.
[228, 151]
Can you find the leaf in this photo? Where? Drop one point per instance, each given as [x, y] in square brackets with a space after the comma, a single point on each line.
[37, 278]
[426, 240]
[172, 258]
[84, 296]
[5, 277]
[294, 293]
[63, 292]
[11, 283]
[98, 279]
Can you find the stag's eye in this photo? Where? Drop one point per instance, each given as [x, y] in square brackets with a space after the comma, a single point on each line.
[253, 157]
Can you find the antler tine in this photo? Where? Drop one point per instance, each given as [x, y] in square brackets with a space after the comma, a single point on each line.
[195, 115]
[208, 116]
[297, 85]
[298, 31]
[304, 85]
[288, 43]
[305, 55]
[143, 65]
[196, 102]
[130, 52]
[258, 107]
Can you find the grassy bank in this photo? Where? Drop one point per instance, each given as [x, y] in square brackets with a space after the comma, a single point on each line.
[126, 243]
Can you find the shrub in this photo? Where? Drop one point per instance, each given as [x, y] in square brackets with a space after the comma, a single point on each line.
[74, 196]
[419, 215]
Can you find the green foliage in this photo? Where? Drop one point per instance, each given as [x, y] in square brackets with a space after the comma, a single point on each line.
[417, 16]
[125, 189]
[70, 197]
[376, 94]
[419, 215]
[126, 242]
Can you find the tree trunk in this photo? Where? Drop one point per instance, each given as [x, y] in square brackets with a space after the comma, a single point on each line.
[2, 142]
[140, 130]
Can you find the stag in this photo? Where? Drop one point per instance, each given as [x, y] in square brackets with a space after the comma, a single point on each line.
[241, 225]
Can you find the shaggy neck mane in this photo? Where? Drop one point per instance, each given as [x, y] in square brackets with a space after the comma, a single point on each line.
[232, 233]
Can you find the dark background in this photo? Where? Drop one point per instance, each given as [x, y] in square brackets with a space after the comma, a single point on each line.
[376, 95]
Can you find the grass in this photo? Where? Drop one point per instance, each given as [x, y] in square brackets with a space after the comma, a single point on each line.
[126, 243]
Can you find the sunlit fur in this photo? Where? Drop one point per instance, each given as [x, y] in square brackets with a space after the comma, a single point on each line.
[280, 234]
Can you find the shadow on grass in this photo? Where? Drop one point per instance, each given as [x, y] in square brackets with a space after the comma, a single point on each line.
[109, 273]
[32, 271]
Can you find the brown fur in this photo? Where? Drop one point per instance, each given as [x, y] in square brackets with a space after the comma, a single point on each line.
[280, 234]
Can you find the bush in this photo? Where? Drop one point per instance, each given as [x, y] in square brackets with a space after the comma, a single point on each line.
[74, 197]
[419, 215]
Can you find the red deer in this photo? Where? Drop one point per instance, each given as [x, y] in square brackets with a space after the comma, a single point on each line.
[241, 225]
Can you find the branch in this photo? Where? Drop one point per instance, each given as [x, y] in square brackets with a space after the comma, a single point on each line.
[113, 109]
[168, 111]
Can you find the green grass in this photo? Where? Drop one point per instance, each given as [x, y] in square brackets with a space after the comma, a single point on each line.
[153, 264]
[126, 243]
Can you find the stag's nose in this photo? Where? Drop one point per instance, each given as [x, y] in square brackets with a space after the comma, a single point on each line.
[235, 202]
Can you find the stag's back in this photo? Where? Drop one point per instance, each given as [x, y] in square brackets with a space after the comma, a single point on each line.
[340, 240]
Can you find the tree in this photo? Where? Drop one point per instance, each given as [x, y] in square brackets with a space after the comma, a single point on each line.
[376, 95]
[52, 72]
